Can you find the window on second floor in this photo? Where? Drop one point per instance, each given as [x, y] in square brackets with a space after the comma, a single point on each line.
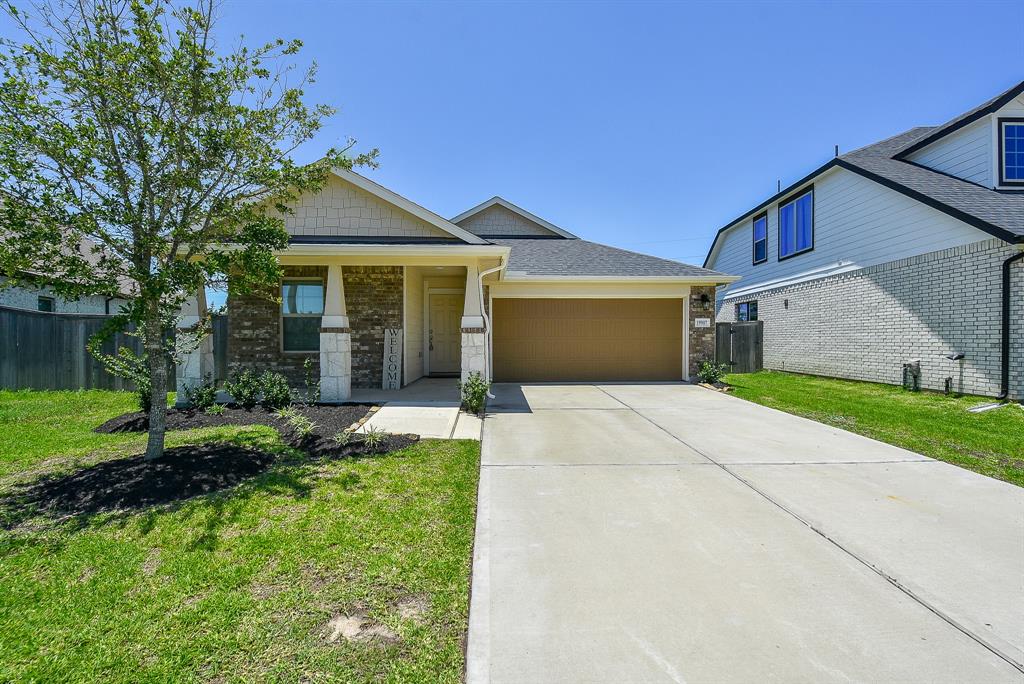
[760, 238]
[796, 225]
[746, 311]
[1011, 146]
[48, 304]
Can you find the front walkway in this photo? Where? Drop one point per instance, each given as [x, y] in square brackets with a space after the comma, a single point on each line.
[649, 533]
[428, 407]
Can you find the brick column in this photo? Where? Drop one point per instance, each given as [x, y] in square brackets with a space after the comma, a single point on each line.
[335, 342]
[474, 335]
[197, 361]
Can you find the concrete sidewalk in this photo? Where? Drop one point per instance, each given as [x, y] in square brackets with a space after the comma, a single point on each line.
[630, 533]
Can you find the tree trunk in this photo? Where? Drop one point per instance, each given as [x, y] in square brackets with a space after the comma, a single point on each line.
[154, 343]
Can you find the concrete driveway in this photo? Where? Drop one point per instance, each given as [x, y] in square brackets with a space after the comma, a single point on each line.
[667, 533]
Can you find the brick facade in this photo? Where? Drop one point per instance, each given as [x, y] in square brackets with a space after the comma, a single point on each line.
[254, 333]
[865, 324]
[702, 340]
[373, 297]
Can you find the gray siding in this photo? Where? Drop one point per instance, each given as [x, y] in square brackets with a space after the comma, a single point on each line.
[966, 153]
[498, 220]
[857, 223]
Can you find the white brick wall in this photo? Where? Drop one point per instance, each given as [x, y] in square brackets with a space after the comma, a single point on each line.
[28, 298]
[344, 209]
[865, 324]
[497, 220]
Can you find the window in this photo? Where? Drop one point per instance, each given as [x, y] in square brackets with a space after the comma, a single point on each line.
[760, 238]
[746, 311]
[1011, 145]
[302, 305]
[796, 225]
[46, 304]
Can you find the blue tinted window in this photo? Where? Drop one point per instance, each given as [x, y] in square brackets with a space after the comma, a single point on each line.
[761, 228]
[760, 239]
[1013, 152]
[796, 225]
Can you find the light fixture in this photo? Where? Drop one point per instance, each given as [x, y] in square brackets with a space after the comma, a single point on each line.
[705, 301]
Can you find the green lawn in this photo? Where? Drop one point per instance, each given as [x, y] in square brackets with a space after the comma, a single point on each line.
[252, 583]
[926, 422]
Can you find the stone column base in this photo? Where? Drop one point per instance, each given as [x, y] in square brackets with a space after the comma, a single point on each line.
[474, 352]
[335, 365]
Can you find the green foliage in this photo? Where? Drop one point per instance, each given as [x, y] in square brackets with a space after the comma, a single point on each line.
[130, 366]
[342, 437]
[216, 409]
[312, 382]
[711, 372]
[374, 437]
[203, 395]
[474, 393]
[244, 387]
[275, 390]
[302, 425]
[286, 413]
[132, 141]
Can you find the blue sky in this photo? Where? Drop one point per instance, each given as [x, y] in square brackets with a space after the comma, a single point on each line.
[643, 125]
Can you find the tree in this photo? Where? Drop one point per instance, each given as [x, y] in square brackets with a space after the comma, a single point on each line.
[121, 122]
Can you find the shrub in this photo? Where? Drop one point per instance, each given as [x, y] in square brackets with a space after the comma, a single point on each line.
[276, 392]
[216, 409]
[302, 425]
[474, 393]
[203, 395]
[374, 437]
[244, 388]
[711, 372]
[312, 382]
[342, 437]
[286, 413]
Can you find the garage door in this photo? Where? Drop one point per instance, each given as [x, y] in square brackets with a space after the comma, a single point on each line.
[539, 340]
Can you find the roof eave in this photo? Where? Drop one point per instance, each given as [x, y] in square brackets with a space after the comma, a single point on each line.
[540, 278]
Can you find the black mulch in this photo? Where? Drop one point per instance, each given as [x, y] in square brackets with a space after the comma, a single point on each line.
[133, 483]
[329, 419]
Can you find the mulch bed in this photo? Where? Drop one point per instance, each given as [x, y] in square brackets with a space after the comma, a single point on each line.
[329, 419]
[133, 483]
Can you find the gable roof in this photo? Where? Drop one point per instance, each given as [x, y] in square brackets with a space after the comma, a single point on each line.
[483, 206]
[416, 210]
[998, 213]
[540, 258]
[959, 122]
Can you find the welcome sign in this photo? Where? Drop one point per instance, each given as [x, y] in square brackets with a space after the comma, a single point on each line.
[392, 358]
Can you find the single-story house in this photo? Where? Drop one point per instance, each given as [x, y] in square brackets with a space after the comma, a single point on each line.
[379, 292]
[907, 251]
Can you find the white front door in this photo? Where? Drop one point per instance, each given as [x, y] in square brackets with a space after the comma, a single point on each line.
[444, 333]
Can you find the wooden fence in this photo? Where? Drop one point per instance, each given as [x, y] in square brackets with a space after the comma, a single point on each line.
[47, 351]
[740, 345]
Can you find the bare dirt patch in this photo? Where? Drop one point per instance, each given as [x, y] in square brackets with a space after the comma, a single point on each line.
[357, 627]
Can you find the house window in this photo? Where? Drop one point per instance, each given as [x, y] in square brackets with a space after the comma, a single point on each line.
[796, 225]
[760, 238]
[1011, 145]
[47, 304]
[746, 311]
[302, 305]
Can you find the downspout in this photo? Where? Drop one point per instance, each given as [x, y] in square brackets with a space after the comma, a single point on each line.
[487, 319]
[1005, 376]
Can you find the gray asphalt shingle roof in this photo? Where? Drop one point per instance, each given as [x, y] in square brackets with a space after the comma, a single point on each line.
[1002, 210]
[574, 257]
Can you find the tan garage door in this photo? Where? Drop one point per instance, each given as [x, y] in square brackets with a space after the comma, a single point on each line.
[587, 339]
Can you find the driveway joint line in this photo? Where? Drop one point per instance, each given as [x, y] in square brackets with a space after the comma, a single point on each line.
[891, 580]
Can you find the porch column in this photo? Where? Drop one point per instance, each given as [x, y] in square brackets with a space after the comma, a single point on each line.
[474, 335]
[335, 342]
[197, 360]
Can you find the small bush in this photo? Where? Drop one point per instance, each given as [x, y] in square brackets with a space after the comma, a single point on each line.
[216, 410]
[302, 425]
[342, 437]
[275, 390]
[312, 382]
[374, 437]
[474, 393]
[244, 388]
[286, 413]
[203, 395]
[711, 372]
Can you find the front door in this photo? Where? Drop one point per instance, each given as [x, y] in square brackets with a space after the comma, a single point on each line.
[444, 333]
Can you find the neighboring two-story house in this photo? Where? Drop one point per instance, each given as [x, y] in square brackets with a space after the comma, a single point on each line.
[908, 249]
